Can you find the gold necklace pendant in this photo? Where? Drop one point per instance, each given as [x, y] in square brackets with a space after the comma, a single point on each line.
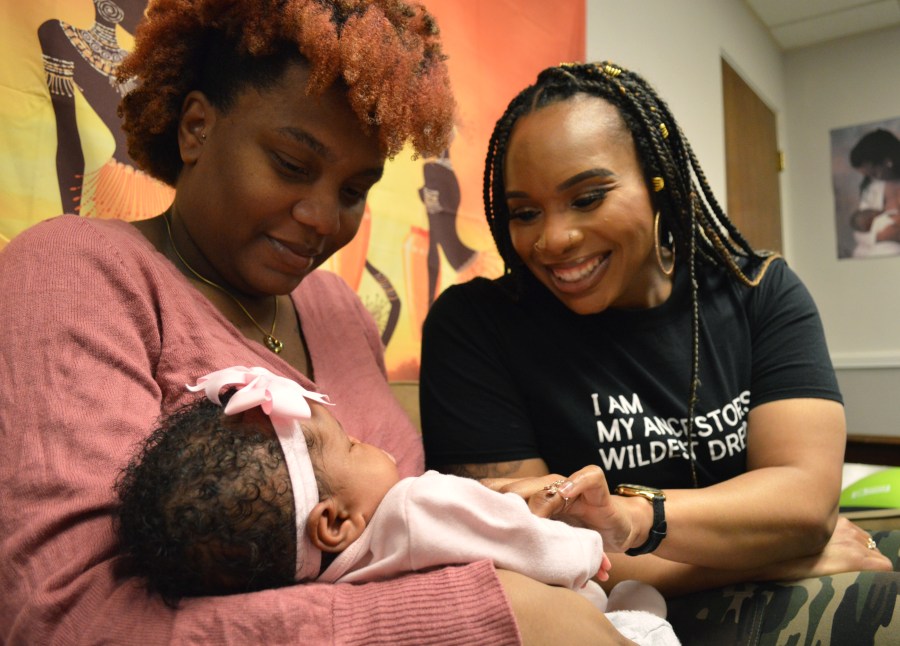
[273, 344]
[269, 339]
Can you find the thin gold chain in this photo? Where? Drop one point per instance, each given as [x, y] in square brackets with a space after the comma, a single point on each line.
[269, 339]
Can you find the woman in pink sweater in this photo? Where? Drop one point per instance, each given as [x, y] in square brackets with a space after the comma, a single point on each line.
[272, 119]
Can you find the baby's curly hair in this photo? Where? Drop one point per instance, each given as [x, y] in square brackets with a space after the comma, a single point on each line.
[385, 52]
[206, 507]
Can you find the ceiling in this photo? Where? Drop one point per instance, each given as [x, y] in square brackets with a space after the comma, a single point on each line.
[800, 23]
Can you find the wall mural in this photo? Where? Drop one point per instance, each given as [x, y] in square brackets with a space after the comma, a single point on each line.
[61, 149]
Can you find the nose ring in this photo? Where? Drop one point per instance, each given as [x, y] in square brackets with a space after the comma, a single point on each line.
[571, 239]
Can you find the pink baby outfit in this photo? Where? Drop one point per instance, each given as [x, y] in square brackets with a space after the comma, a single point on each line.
[101, 333]
[436, 519]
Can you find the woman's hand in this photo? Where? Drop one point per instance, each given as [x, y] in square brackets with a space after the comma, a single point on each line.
[590, 504]
[583, 499]
[553, 615]
[846, 551]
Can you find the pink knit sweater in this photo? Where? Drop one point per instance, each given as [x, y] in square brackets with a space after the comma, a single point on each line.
[101, 333]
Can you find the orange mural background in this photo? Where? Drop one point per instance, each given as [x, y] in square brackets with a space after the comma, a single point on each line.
[424, 228]
[495, 48]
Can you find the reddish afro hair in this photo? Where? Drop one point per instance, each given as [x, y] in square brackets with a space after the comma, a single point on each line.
[385, 52]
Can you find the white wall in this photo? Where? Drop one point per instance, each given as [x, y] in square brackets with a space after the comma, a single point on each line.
[677, 47]
[850, 82]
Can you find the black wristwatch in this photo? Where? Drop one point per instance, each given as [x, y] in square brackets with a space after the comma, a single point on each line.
[658, 530]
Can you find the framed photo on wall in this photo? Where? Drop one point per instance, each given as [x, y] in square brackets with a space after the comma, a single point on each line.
[865, 168]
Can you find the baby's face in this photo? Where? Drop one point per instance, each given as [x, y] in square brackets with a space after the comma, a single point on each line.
[359, 474]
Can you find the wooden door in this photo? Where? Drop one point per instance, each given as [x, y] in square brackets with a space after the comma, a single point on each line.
[752, 163]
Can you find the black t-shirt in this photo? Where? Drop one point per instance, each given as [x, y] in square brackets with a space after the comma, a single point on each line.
[510, 374]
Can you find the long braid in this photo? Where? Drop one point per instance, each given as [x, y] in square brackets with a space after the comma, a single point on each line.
[494, 188]
[695, 351]
[689, 212]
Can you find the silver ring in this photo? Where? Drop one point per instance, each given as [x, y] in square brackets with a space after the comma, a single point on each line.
[871, 544]
[566, 505]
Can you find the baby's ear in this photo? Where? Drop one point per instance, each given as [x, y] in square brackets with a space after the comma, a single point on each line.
[333, 530]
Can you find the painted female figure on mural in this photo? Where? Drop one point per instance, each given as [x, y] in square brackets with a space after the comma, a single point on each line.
[441, 196]
[84, 61]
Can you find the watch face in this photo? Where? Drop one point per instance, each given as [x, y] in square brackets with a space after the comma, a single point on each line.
[639, 490]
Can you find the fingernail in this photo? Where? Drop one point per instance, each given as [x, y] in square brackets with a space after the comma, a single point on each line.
[566, 488]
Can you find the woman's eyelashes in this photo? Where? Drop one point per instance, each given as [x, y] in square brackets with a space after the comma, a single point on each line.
[353, 195]
[289, 168]
[582, 202]
[524, 215]
[589, 200]
[350, 195]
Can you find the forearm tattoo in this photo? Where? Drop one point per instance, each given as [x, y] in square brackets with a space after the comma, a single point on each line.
[480, 471]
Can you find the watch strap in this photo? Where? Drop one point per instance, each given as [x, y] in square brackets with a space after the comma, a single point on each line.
[657, 531]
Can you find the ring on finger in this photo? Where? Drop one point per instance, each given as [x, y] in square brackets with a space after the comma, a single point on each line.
[565, 505]
[553, 487]
[871, 544]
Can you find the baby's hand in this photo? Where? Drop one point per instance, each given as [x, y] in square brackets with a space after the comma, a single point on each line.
[588, 503]
[605, 566]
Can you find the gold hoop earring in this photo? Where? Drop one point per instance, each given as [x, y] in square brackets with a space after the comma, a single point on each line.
[658, 248]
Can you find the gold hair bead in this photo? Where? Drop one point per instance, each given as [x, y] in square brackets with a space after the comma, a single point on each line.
[658, 184]
[612, 71]
[665, 130]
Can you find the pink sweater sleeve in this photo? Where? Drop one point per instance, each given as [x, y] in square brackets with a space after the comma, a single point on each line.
[95, 347]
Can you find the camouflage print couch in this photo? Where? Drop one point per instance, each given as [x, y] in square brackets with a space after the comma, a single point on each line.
[851, 609]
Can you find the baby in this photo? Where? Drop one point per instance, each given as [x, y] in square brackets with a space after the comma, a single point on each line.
[271, 491]
[875, 224]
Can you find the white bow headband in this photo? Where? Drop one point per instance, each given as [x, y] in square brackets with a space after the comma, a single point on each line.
[285, 402]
